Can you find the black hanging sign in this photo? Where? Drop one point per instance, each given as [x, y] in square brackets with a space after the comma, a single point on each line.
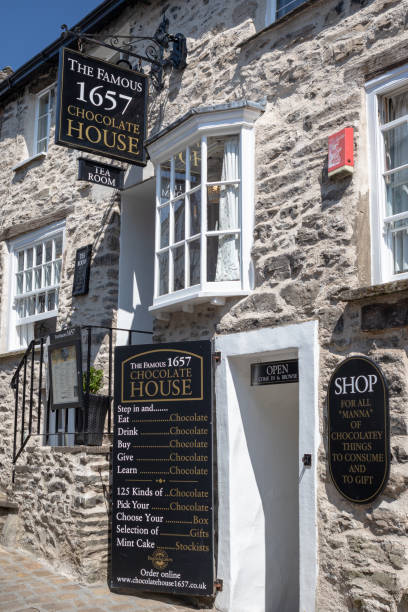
[162, 504]
[275, 372]
[100, 174]
[82, 270]
[101, 107]
[358, 429]
[65, 369]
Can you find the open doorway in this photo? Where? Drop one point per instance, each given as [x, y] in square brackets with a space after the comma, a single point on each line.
[267, 528]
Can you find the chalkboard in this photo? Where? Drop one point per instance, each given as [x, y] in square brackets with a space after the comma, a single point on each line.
[358, 429]
[82, 270]
[162, 503]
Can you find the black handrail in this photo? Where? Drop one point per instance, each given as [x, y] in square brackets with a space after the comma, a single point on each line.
[31, 370]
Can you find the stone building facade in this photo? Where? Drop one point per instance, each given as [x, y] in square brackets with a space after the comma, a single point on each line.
[321, 277]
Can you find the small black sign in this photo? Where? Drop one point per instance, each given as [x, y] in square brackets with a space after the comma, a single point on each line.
[275, 372]
[65, 369]
[82, 270]
[101, 107]
[100, 174]
[358, 429]
[162, 502]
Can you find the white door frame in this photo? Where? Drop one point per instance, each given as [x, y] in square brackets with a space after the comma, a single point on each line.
[238, 565]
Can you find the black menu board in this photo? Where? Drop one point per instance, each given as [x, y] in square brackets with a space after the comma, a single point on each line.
[162, 503]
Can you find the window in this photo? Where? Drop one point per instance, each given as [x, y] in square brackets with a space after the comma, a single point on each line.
[35, 278]
[44, 115]
[204, 207]
[388, 139]
[276, 9]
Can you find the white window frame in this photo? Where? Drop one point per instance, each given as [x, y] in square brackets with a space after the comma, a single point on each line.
[272, 11]
[51, 114]
[382, 264]
[23, 242]
[218, 123]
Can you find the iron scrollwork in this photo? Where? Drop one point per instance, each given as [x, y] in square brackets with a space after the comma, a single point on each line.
[163, 49]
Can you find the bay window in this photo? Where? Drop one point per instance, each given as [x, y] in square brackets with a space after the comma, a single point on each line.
[388, 138]
[204, 208]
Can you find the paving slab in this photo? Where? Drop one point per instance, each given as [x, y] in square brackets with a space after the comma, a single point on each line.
[29, 585]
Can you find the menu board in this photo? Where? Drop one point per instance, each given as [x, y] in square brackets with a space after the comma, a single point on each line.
[65, 368]
[162, 503]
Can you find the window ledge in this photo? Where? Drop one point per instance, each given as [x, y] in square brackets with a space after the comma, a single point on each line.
[353, 295]
[187, 302]
[88, 450]
[277, 23]
[28, 161]
[13, 353]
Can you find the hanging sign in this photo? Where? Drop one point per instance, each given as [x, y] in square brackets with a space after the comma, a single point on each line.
[275, 372]
[101, 107]
[162, 504]
[65, 369]
[358, 429]
[100, 174]
[82, 270]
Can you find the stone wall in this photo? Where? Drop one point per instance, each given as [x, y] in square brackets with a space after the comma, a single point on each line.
[311, 241]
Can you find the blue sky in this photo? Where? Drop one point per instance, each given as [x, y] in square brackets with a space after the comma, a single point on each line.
[28, 26]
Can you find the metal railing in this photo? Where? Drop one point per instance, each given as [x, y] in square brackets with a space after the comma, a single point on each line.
[32, 411]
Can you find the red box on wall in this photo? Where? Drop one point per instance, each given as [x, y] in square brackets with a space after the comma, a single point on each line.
[341, 154]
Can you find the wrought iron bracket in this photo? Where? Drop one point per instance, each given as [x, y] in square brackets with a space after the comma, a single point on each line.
[163, 49]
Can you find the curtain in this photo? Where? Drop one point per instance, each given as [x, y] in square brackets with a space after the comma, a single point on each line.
[228, 260]
[397, 183]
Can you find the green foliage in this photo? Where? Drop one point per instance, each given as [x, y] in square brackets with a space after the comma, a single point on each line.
[95, 380]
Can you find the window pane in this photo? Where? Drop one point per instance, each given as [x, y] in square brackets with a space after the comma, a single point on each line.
[43, 105]
[37, 277]
[195, 165]
[20, 259]
[57, 272]
[397, 192]
[28, 280]
[48, 250]
[179, 220]
[42, 146]
[194, 248]
[20, 308]
[58, 247]
[38, 254]
[164, 226]
[29, 262]
[178, 262]
[395, 106]
[400, 246]
[222, 159]
[165, 181]
[41, 303]
[30, 306]
[163, 273]
[19, 284]
[396, 146]
[223, 258]
[180, 169]
[195, 213]
[47, 275]
[51, 300]
[222, 207]
[42, 128]
[285, 6]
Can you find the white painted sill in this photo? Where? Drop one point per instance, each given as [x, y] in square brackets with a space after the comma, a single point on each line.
[186, 303]
[28, 161]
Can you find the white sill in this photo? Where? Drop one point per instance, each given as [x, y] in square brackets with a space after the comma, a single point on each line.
[29, 160]
[175, 303]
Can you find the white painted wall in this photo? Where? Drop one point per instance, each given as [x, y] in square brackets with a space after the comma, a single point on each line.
[245, 521]
[136, 262]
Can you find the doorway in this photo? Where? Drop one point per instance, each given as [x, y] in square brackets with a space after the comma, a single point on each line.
[267, 540]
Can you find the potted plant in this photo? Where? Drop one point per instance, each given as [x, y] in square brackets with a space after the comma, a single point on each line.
[96, 410]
